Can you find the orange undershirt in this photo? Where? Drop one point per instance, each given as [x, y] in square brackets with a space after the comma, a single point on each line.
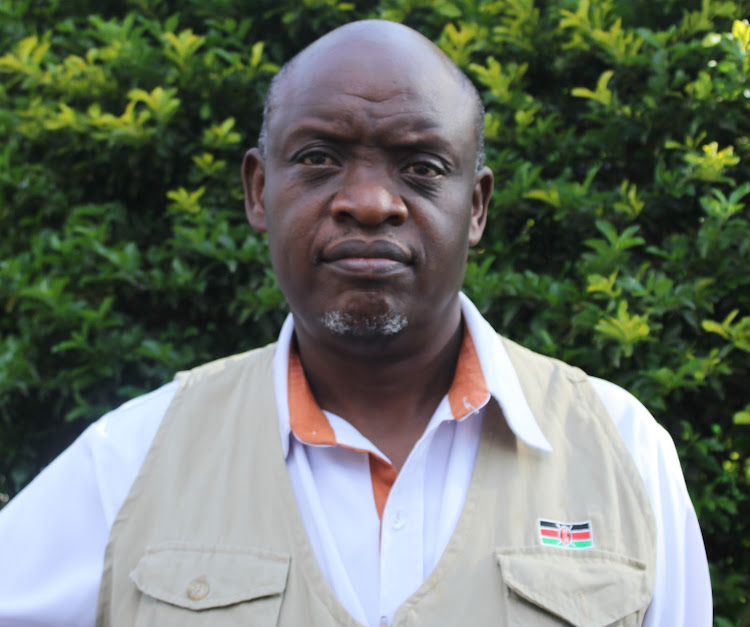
[308, 422]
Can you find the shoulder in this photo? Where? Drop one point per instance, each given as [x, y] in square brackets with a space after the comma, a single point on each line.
[134, 415]
[256, 358]
[116, 445]
[649, 443]
[543, 365]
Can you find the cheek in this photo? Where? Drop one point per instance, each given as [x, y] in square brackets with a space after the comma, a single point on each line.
[448, 236]
[292, 214]
[290, 241]
[289, 226]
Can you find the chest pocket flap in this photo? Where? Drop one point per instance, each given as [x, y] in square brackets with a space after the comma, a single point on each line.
[200, 577]
[589, 588]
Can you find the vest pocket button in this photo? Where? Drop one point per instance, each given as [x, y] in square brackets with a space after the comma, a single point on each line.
[198, 589]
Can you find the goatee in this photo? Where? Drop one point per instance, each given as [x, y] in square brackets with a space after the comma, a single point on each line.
[364, 326]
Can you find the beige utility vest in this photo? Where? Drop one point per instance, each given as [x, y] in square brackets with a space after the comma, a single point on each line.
[211, 535]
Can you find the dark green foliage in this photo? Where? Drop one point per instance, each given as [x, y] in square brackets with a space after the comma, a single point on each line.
[619, 237]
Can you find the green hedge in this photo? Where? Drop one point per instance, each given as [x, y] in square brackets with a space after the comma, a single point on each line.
[618, 239]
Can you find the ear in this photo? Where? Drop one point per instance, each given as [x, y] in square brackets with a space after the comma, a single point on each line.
[254, 182]
[480, 200]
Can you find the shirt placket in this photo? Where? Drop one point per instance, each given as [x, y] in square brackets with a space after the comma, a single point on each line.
[402, 534]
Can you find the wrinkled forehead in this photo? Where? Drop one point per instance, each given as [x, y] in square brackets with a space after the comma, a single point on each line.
[403, 77]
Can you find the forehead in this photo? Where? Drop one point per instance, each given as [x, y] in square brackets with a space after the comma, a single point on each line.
[403, 89]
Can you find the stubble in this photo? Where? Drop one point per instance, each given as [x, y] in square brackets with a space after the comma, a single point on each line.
[364, 326]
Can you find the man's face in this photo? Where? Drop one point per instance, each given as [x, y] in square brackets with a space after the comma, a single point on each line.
[369, 192]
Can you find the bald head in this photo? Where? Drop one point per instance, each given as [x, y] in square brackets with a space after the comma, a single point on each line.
[389, 45]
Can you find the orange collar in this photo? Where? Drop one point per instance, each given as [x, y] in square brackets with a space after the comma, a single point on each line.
[308, 422]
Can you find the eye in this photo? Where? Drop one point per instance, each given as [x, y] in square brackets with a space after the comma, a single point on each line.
[316, 158]
[424, 169]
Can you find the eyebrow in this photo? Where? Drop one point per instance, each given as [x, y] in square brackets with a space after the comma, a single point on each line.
[419, 136]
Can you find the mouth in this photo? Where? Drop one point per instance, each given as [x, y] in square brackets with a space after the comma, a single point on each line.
[367, 258]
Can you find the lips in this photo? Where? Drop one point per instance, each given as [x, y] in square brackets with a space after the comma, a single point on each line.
[358, 249]
[361, 257]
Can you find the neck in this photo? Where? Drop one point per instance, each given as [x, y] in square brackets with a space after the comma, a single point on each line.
[387, 390]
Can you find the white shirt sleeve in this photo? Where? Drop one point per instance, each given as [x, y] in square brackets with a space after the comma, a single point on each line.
[53, 534]
[682, 592]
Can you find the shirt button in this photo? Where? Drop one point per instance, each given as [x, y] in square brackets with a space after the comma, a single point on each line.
[398, 521]
[198, 589]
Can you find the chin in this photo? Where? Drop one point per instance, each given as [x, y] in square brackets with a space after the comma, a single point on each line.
[365, 326]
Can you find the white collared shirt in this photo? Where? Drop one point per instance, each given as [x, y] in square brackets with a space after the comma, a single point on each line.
[53, 534]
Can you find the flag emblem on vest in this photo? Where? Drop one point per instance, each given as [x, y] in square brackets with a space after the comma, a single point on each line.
[568, 535]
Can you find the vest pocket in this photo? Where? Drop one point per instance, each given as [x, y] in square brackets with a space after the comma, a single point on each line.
[187, 585]
[550, 587]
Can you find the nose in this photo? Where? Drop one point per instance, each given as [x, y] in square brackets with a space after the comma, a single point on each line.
[370, 204]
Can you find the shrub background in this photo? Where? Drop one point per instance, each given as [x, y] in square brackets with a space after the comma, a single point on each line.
[618, 237]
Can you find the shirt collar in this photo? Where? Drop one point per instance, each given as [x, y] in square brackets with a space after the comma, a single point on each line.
[502, 380]
[499, 375]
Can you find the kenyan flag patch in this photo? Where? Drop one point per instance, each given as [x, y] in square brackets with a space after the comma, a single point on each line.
[567, 535]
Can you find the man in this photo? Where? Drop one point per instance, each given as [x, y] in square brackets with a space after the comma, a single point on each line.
[427, 471]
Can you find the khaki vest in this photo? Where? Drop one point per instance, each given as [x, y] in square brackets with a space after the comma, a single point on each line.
[210, 533]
